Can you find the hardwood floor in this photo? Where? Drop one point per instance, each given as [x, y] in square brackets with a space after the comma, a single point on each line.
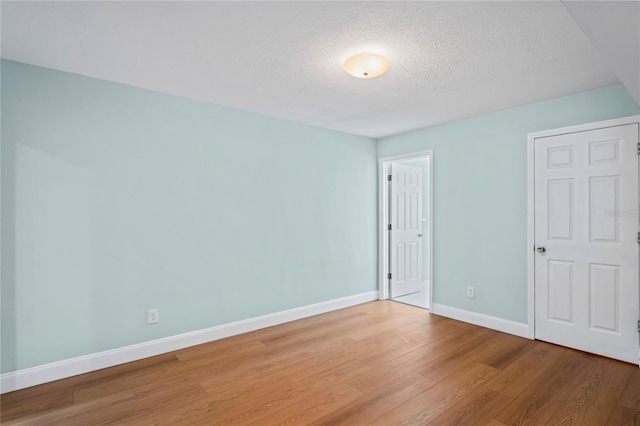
[380, 363]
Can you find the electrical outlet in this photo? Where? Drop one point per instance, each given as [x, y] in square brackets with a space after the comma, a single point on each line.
[471, 292]
[152, 316]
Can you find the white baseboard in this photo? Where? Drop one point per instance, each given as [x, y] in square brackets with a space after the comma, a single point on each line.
[61, 369]
[487, 321]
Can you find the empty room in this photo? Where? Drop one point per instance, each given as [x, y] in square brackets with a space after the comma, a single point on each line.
[309, 212]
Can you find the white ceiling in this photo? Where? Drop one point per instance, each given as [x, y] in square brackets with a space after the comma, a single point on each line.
[614, 29]
[449, 60]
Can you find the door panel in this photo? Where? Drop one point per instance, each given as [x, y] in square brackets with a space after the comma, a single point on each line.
[406, 229]
[603, 197]
[604, 292]
[559, 207]
[560, 286]
[586, 218]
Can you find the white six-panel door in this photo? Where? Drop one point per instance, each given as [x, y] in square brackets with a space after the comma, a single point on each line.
[586, 241]
[406, 229]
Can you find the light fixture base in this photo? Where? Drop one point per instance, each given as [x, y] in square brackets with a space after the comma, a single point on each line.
[366, 65]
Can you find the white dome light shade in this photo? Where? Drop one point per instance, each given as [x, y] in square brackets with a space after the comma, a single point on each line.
[366, 65]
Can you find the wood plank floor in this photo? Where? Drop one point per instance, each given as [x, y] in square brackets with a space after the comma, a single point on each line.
[380, 363]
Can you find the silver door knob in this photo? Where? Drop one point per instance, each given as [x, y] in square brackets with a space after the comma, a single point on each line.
[541, 249]
[419, 235]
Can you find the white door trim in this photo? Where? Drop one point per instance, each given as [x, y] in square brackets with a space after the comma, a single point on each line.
[531, 137]
[383, 220]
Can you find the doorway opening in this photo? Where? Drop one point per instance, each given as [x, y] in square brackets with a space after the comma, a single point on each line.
[406, 229]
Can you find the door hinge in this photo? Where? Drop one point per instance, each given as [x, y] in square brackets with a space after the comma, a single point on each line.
[638, 237]
[638, 148]
[389, 176]
[389, 228]
[389, 276]
[638, 326]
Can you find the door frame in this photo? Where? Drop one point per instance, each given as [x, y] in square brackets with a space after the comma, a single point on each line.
[531, 138]
[383, 221]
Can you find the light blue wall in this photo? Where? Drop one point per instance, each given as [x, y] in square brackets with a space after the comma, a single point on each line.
[117, 200]
[480, 195]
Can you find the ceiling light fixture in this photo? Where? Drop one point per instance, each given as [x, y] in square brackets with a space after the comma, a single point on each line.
[366, 65]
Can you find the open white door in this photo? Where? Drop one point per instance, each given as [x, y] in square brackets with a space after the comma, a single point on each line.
[405, 230]
[586, 238]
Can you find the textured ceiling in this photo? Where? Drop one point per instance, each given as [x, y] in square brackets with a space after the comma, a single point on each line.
[449, 60]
